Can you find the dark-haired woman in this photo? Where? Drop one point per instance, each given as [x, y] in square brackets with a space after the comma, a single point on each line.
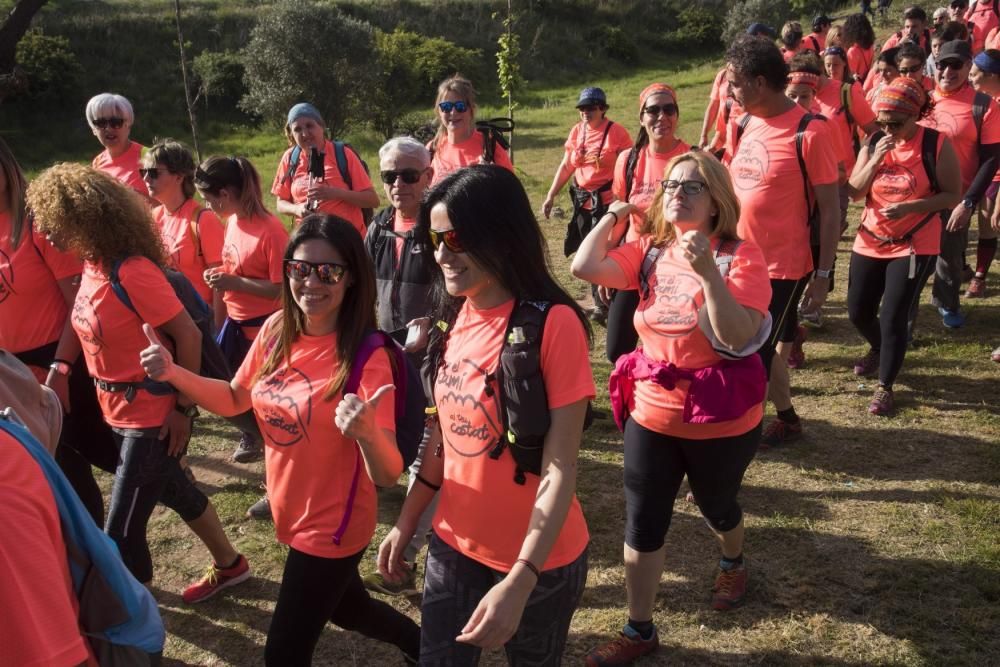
[690, 399]
[858, 37]
[637, 176]
[317, 437]
[94, 216]
[900, 232]
[508, 559]
[249, 278]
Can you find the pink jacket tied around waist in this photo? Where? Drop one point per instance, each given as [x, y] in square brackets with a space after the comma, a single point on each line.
[718, 393]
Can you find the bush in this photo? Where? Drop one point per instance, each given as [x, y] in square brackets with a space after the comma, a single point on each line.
[616, 43]
[698, 29]
[49, 66]
[769, 12]
[219, 77]
[305, 51]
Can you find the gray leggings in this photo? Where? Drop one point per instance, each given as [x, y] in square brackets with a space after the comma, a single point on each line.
[453, 586]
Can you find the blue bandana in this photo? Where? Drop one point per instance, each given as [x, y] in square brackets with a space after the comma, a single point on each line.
[304, 109]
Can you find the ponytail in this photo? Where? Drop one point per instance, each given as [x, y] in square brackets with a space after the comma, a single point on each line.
[234, 173]
[251, 197]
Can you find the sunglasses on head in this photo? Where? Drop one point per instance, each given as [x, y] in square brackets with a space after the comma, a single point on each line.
[689, 187]
[657, 109]
[113, 123]
[150, 172]
[449, 237]
[327, 272]
[409, 176]
[460, 106]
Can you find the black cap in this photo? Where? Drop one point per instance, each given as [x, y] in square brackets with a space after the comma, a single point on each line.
[756, 29]
[821, 20]
[957, 49]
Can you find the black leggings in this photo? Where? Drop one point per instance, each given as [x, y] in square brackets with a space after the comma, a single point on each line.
[315, 590]
[622, 336]
[656, 463]
[874, 280]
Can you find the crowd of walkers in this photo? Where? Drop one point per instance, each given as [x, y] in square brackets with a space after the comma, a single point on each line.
[145, 288]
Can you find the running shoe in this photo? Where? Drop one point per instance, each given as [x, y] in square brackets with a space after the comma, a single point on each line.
[977, 288]
[797, 357]
[628, 647]
[260, 510]
[779, 432]
[216, 579]
[867, 364]
[405, 586]
[967, 273]
[730, 588]
[249, 450]
[882, 403]
[812, 319]
[599, 315]
[953, 319]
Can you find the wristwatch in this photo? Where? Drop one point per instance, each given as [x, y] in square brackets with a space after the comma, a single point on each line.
[824, 273]
[190, 411]
[968, 203]
[61, 367]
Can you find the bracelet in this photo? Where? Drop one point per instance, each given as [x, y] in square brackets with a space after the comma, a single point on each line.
[614, 214]
[531, 566]
[62, 361]
[420, 478]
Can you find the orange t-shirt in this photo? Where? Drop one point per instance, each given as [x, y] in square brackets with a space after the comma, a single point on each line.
[667, 324]
[112, 336]
[774, 213]
[32, 308]
[900, 178]
[952, 114]
[830, 103]
[649, 168]
[296, 190]
[188, 256]
[815, 42]
[860, 61]
[993, 39]
[896, 38]
[843, 150]
[254, 248]
[593, 155]
[981, 22]
[125, 167]
[724, 115]
[309, 463]
[449, 157]
[40, 622]
[401, 225]
[717, 93]
[482, 512]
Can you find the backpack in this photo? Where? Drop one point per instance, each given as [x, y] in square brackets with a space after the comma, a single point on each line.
[492, 131]
[118, 615]
[194, 230]
[340, 152]
[410, 407]
[845, 108]
[723, 259]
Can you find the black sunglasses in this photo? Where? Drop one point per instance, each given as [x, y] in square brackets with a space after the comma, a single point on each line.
[409, 176]
[150, 172]
[689, 187]
[113, 123]
[951, 64]
[890, 124]
[460, 106]
[449, 237]
[657, 109]
[327, 272]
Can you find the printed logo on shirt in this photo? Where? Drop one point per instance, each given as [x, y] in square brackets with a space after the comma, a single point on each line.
[943, 121]
[6, 277]
[283, 416]
[88, 326]
[672, 310]
[751, 165]
[895, 183]
[231, 259]
[467, 425]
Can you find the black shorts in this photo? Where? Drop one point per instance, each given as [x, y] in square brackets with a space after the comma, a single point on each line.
[784, 309]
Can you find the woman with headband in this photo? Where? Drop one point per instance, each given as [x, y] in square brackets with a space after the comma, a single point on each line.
[900, 232]
[985, 78]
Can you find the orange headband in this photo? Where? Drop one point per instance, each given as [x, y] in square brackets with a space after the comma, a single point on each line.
[803, 79]
[653, 89]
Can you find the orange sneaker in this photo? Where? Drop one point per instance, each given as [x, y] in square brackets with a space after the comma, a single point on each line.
[628, 647]
[216, 579]
[730, 588]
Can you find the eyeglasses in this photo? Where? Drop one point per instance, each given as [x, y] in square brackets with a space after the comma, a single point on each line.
[951, 64]
[329, 273]
[459, 107]
[113, 123]
[150, 172]
[657, 109]
[689, 187]
[910, 70]
[890, 125]
[409, 176]
[449, 237]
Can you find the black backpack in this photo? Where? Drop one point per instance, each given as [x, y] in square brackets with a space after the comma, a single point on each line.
[340, 151]
[493, 134]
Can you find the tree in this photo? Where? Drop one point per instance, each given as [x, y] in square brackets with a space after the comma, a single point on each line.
[508, 67]
[13, 29]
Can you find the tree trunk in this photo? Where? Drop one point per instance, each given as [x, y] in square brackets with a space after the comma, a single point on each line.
[184, 79]
[18, 22]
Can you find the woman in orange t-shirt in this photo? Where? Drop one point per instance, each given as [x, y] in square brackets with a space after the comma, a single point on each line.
[507, 562]
[94, 216]
[249, 277]
[457, 143]
[317, 437]
[900, 232]
[110, 118]
[695, 388]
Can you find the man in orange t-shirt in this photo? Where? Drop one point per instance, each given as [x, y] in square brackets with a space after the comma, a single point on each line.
[775, 204]
[914, 30]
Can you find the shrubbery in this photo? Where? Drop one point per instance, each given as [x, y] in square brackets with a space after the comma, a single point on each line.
[49, 67]
[219, 78]
[769, 12]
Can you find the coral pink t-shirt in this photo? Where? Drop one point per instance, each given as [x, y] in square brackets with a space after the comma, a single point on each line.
[40, 624]
[309, 463]
[649, 172]
[192, 252]
[482, 512]
[900, 178]
[401, 225]
[774, 213]
[843, 150]
[112, 336]
[592, 154]
[860, 61]
[449, 158]
[832, 107]
[993, 39]
[125, 167]
[982, 21]
[896, 38]
[667, 324]
[254, 248]
[952, 115]
[296, 190]
[32, 308]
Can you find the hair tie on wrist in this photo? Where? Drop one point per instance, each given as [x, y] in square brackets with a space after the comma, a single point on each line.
[531, 566]
[436, 487]
[614, 214]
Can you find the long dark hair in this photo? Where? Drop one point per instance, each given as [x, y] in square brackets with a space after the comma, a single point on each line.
[490, 212]
[237, 174]
[17, 185]
[357, 311]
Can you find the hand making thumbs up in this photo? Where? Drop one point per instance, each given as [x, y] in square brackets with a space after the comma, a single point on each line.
[156, 360]
[356, 417]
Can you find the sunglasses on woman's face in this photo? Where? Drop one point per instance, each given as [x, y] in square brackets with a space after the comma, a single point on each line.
[657, 109]
[690, 188]
[459, 107]
[910, 70]
[150, 172]
[890, 125]
[449, 237]
[329, 273]
[113, 123]
[409, 176]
